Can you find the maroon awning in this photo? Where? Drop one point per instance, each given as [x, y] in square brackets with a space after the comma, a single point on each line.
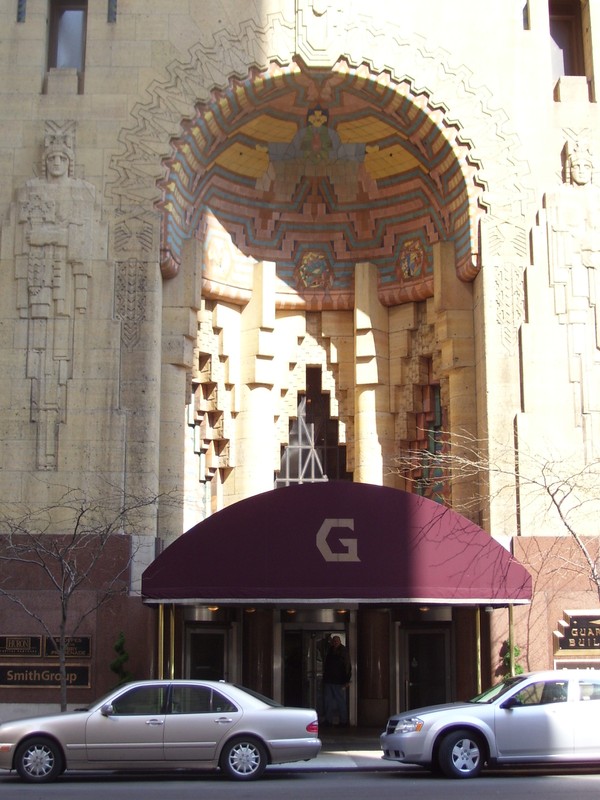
[336, 542]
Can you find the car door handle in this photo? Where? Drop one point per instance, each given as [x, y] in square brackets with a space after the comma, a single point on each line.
[154, 722]
[223, 719]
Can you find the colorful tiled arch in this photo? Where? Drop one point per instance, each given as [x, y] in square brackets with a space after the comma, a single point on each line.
[317, 171]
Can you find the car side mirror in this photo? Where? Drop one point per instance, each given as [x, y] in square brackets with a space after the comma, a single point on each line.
[510, 702]
[107, 710]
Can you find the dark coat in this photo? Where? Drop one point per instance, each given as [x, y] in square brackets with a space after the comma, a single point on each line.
[337, 667]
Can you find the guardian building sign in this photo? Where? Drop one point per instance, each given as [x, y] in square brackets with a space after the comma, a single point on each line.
[578, 631]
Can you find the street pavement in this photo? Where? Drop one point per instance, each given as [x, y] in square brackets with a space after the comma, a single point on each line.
[345, 749]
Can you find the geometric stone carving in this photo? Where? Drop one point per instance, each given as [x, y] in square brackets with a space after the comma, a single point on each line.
[133, 245]
[130, 290]
[504, 249]
[320, 30]
[133, 234]
[53, 250]
[510, 300]
[573, 229]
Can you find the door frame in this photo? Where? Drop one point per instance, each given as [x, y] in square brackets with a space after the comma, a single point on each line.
[403, 668]
[348, 628]
[192, 629]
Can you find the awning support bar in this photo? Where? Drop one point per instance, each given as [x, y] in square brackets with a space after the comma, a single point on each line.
[161, 642]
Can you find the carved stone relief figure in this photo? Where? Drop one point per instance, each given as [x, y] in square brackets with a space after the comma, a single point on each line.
[573, 220]
[53, 247]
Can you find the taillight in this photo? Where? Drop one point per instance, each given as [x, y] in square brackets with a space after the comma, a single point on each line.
[313, 727]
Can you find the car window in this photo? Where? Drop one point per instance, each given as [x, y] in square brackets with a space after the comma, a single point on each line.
[542, 693]
[496, 691]
[589, 689]
[189, 699]
[222, 703]
[140, 700]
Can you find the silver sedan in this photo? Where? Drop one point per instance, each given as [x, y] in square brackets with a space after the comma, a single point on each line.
[157, 725]
[543, 717]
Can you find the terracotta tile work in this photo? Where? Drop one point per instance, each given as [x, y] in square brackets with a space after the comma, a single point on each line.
[318, 175]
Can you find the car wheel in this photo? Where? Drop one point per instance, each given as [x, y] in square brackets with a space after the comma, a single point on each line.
[243, 759]
[461, 755]
[39, 760]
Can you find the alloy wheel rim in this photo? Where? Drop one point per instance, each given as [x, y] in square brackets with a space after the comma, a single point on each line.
[465, 755]
[244, 759]
[38, 761]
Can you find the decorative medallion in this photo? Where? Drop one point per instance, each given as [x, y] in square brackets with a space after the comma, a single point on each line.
[314, 271]
[411, 259]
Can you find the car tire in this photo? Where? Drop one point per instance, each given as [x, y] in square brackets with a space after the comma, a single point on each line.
[39, 760]
[461, 755]
[243, 759]
[435, 769]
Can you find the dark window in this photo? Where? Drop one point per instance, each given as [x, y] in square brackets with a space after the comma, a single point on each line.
[140, 700]
[430, 482]
[555, 692]
[313, 453]
[220, 704]
[190, 700]
[542, 693]
[566, 34]
[67, 34]
[199, 700]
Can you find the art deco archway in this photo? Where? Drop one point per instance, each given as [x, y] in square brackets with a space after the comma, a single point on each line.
[389, 100]
[318, 170]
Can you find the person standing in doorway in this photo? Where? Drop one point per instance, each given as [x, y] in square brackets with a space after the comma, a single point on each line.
[337, 672]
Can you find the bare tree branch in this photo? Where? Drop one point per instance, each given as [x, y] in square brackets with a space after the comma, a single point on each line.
[560, 493]
[64, 548]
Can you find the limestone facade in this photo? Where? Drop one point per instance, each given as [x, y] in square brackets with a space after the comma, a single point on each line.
[403, 195]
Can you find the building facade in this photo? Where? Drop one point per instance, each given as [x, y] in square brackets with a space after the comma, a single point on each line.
[247, 247]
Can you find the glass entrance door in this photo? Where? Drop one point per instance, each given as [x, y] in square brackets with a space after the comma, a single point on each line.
[304, 651]
[205, 654]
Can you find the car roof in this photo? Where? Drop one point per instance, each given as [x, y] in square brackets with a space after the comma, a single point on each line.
[154, 681]
[561, 673]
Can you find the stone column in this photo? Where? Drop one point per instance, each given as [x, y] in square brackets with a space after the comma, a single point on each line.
[254, 472]
[499, 306]
[181, 301]
[373, 666]
[455, 333]
[257, 670]
[373, 422]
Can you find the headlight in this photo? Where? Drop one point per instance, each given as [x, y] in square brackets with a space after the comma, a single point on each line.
[409, 725]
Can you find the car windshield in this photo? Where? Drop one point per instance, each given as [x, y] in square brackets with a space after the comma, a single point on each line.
[499, 689]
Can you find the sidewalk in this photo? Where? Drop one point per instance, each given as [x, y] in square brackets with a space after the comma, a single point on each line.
[345, 749]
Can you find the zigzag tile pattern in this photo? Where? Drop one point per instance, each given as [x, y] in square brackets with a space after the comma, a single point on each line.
[318, 171]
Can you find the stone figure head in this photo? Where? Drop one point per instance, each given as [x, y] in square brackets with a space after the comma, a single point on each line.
[59, 157]
[579, 164]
